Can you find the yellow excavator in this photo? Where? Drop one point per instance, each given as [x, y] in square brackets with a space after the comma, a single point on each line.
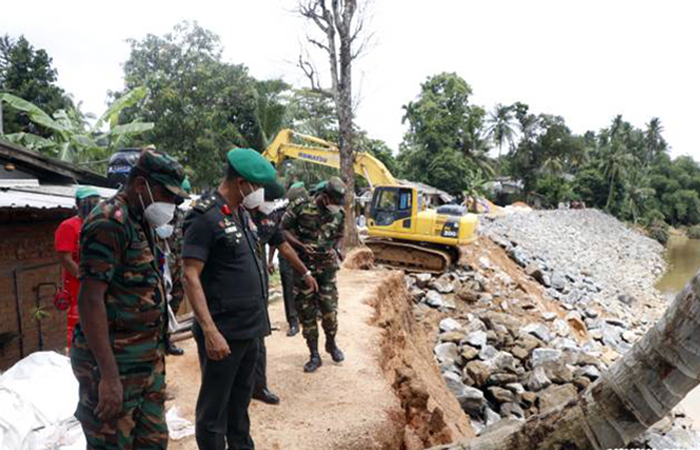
[404, 232]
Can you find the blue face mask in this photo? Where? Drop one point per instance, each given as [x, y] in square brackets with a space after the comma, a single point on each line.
[165, 231]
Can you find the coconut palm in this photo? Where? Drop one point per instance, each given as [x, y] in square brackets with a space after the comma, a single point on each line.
[614, 164]
[653, 140]
[501, 128]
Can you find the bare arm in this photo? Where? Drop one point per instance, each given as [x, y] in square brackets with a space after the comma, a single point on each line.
[93, 320]
[290, 255]
[217, 347]
[271, 256]
[66, 260]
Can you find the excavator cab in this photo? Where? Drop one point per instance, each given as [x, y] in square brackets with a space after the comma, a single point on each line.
[391, 205]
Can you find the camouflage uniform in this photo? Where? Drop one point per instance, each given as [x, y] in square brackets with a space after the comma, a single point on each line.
[117, 248]
[177, 292]
[316, 225]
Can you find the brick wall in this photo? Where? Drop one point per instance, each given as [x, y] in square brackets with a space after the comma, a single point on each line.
[27, 260]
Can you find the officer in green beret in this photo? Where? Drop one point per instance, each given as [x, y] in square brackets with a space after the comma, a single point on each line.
[315, 227]
[225, 283]
[118, 349]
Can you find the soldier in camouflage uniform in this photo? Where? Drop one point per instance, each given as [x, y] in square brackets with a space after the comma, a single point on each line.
[296, 194]
[315, 227]
[119, 345]
[172, 236]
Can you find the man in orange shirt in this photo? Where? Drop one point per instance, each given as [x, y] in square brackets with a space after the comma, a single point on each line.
[67, 244]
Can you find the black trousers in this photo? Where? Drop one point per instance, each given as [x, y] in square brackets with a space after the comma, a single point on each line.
[287, 277]
[260, 378]
[224, 396]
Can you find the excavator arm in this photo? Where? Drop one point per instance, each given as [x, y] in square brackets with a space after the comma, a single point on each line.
[293, 145]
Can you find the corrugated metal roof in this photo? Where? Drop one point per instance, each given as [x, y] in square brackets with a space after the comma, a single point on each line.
[43, 196]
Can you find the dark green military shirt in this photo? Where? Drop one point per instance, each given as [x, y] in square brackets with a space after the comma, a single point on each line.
[233, 277]
[315, 225]
[116, 247]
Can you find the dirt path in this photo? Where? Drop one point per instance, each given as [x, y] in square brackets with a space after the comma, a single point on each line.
[349, 406]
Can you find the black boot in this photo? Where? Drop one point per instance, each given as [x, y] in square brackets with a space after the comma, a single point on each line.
[172, 349]
[293, 329]
[315, 359]
[333, 349]
[266, 396]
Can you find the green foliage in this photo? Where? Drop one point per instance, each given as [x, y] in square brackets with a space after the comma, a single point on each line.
[312, 112]
[658, 230]
[70, 137]
[555, 189]
[200, 105]
[39, 313]
[27, 73]
[444, 146]
[694, 232]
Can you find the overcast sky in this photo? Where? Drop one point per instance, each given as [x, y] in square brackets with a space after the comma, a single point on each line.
[586, 60]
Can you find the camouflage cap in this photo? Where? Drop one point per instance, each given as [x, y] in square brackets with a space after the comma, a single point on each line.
[335, 188]
[296, 192]
[84, 192]
[163, 169]
[252, 166]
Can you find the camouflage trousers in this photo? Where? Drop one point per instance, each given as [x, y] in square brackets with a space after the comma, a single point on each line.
[309, 304]
[141, 424]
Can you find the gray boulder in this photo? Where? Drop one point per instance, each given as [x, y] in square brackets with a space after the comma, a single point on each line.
[555, 395]
[537, 380]
[434, 299]
[450, 324]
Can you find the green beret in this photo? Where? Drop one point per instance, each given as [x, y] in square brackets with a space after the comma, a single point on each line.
[298, 184]
[186, 186]
[163, 169]
[318, 187]
[252, 166]
[84, 192]
[274, 191]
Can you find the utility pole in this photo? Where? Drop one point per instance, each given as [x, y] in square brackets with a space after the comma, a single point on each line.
[1, 130]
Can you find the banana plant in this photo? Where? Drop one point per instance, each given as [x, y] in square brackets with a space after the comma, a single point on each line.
[72, 138]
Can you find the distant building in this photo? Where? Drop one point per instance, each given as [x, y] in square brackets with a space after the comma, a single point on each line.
[36, 195]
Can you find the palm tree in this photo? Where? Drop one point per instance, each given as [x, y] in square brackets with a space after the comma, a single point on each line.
[638, 390]
[614, 165]
[637, 194]
[501, 128]
[553, 165]
[476, 187]
[653, 140]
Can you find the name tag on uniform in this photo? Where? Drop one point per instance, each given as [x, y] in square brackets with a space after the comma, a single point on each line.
[231, 229]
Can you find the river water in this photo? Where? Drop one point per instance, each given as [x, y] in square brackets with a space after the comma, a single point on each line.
[683, 258]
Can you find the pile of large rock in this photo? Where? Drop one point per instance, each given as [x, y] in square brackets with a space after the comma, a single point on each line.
[503, 357]
[585, 259]
[498, 367]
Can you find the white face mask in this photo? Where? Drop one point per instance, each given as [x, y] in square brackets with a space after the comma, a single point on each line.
[266, 208]
[158, 213]
[165, 231]
[254, 199]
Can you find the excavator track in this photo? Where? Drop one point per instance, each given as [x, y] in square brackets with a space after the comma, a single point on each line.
[410, 257]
